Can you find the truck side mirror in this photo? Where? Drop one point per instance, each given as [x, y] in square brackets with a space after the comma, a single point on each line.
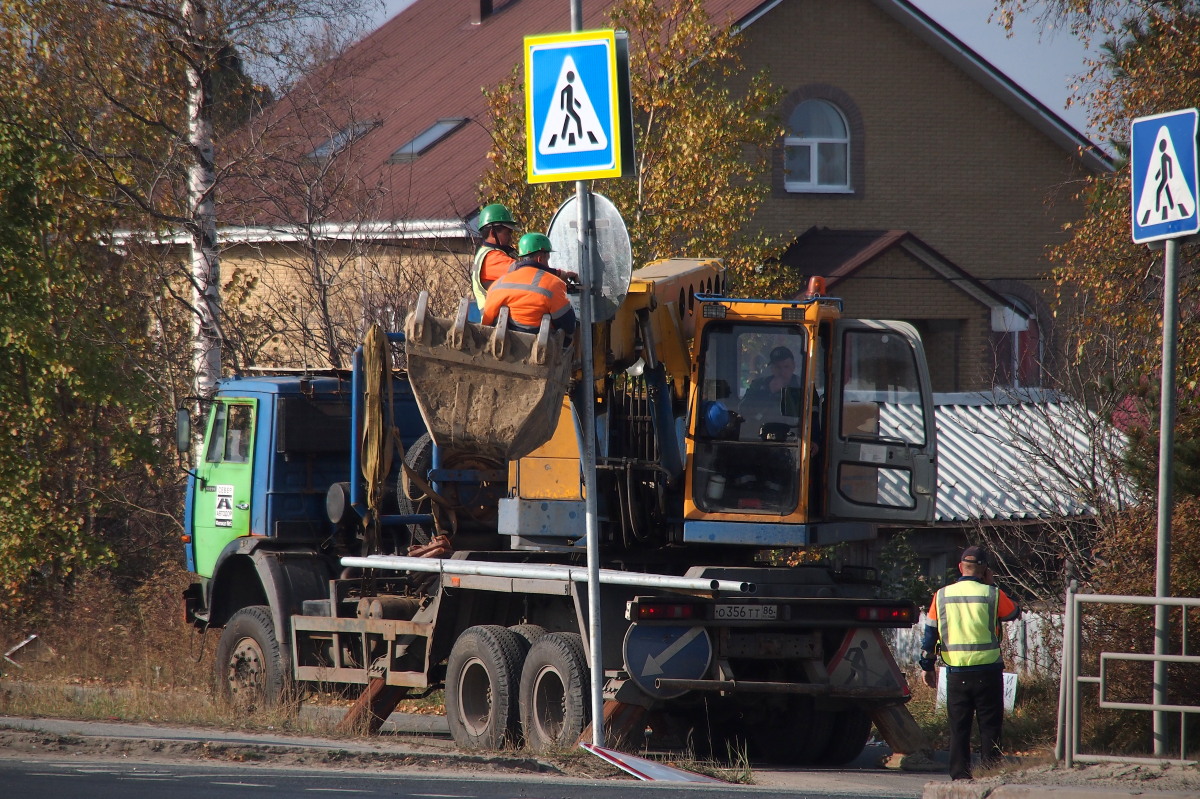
[183, 430]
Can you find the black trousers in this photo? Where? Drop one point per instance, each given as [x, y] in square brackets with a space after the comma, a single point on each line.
[974, 695]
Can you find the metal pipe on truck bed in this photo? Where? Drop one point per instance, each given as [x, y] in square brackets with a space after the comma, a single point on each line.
[546, 572]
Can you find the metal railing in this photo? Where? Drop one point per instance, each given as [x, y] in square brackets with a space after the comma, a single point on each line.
[1069, 702]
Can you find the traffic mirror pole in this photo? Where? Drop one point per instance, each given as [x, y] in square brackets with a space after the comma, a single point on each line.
[592, 535]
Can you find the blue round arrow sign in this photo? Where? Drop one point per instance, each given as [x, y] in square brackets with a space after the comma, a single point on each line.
[675, 652]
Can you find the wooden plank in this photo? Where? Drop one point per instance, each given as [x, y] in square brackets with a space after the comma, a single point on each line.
[901, 731]
[624, 724]
[372, 707]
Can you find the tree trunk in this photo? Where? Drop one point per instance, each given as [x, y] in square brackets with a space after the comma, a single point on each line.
[205, 262]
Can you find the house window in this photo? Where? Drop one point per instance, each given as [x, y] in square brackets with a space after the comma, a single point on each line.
[342, 139]
[816, 151]
[1017, 341]
[414, 149]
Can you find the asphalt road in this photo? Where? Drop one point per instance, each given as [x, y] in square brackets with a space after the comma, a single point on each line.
[103, 754]
[114, 780]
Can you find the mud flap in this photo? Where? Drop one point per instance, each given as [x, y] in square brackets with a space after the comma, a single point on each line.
[486, 390]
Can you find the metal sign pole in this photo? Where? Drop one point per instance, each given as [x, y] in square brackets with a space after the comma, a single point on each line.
[587, 281]
[1166, 471]
[1164, 182]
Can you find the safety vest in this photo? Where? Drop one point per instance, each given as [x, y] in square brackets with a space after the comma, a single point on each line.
[530, 292]
[485, 249]
[966, 614]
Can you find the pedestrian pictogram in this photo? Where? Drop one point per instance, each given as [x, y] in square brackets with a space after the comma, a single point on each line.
[1163, 175]
[571, 124]
[1166, 196]
[578, 123]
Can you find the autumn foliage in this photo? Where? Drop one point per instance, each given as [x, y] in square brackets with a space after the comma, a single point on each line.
[701, 145]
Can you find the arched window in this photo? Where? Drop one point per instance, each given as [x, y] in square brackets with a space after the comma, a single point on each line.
[816, 151]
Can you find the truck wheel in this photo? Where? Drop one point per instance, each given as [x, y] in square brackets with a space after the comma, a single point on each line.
[419, 458]
[847, 736]
[482, 680]
[799, 736]
[555, 707]
[530, 632]
[249, 664]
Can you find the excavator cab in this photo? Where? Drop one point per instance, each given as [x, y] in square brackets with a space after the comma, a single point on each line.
[751, 436]
[805, 428]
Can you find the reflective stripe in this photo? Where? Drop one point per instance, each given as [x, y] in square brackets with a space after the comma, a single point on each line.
[529, 292]
[531, 287]
[966, 613]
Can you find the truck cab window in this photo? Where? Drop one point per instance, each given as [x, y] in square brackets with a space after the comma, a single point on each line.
[747, 436]
[237, 442]
[216, 441]
[232, 427]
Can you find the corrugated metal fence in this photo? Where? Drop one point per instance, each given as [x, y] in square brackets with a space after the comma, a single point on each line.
[1033, 644]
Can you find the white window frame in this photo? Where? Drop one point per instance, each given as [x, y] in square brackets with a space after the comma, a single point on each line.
[339, 141]
[814, 143]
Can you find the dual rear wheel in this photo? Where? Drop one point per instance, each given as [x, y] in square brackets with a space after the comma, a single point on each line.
[505, 685]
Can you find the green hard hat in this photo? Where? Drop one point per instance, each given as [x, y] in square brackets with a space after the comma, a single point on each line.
[496, 214]
[533, 242]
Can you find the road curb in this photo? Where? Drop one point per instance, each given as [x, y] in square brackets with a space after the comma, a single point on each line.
[968, 789]
[215, 741]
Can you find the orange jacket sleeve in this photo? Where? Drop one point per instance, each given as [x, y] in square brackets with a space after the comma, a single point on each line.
[495, 264]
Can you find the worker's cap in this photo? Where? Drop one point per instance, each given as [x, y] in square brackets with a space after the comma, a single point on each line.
[974, 555]
[781, 354]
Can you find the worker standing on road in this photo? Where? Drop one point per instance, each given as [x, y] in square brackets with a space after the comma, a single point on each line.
[965, 617]
[530, 290]
[496, 254]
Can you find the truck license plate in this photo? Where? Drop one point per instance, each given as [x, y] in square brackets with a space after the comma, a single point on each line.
[750, 612]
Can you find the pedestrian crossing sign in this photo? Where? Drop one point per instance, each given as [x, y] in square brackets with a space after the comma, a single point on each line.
[578, 124]
[1163, 176]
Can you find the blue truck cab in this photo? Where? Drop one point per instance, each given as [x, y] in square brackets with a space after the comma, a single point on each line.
[277, 452]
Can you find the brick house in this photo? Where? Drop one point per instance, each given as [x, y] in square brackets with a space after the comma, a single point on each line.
[918, 178]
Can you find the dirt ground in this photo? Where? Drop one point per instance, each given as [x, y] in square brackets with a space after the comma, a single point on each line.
[1133, 777]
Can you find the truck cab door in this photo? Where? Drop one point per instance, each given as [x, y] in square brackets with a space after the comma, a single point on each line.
[881, 438]
[224, 480]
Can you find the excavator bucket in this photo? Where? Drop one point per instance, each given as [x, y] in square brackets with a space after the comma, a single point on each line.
[486, 390]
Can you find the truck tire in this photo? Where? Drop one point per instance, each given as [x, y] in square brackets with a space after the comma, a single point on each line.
[848, 735]
[555, 706]
[249, 663]
[530, 632]
[482, 683]
[799, 736]
[419, 458]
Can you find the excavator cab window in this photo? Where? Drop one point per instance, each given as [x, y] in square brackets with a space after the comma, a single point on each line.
[881, 442]
[750, 412]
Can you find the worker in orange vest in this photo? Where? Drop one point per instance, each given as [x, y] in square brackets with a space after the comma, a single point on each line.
[495, 254]
[531, 289]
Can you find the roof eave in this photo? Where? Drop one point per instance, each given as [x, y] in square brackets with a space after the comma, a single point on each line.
[399, 230]
[1026, 105]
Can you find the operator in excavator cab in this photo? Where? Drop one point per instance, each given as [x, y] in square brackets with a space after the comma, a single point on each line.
[766, 398]
[496, 254]
[531, 289]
